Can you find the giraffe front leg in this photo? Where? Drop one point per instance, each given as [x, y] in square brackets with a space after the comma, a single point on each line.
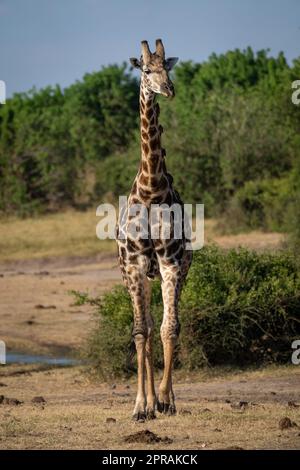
[139, 412]
[151, 396]
[169, 335]
[138, 295]
[166, 397]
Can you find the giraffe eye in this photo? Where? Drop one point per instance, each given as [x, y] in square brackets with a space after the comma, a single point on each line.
[147, 71]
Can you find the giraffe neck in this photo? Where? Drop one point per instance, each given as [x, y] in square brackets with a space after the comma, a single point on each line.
[152, 177]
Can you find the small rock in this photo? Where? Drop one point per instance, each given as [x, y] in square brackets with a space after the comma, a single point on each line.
[38, 400]
[111, 420]
[113, 386]
[13, 401]
[9, 401]
[67, 428]
[2, 384]
[45, 307]
[243, 403]
[234, 448]
[147, 437]
[292, 404]
[206, 410]
[227, 401]
[127, 386]
[240, 405]
[185, 412]
[286, 423]
[273, 393]
[217, 430]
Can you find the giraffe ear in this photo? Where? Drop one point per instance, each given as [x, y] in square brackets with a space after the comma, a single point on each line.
[170, 62]
[135, 63]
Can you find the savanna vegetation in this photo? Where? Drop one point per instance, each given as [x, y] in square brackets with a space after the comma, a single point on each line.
[232, 136]
[237, 307]
[233, 143]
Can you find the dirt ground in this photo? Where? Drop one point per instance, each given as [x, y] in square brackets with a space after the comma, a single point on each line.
[37, 310]
[216, 409]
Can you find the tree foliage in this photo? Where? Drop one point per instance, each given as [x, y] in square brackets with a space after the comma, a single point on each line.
[49, 138]
[232, 123]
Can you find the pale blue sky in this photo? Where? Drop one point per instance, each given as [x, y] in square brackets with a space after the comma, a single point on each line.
[44, 42]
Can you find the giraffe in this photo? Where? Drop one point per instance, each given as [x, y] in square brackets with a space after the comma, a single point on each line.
[142, 259]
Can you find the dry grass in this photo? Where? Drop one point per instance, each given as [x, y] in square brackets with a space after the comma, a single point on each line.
[72, 233]
[63, 234]
[76, 410]
[255, 240]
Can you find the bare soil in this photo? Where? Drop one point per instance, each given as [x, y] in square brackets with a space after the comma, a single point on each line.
[75, 412]
[38, 313]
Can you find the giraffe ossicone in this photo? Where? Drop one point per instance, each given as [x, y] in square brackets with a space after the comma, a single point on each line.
[144, 258]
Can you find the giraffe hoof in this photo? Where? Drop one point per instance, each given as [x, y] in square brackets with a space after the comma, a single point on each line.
[172, 410]
[166, 408]
[139, 417]
[163, 407]
[151, 414]
[160, 406]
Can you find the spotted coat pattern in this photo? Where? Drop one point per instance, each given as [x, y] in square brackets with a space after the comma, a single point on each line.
[143, 259]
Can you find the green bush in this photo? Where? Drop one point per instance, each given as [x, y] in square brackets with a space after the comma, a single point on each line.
[240, 307]
[115, 174]
[293, 224]
[264, 204]
[237, 307]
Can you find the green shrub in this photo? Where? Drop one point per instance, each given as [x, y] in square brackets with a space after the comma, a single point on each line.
[115, 174]
[237, 307]
[293, 219]
[264, 204]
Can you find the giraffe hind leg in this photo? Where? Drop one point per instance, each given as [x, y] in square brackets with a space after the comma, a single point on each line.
[169, 333]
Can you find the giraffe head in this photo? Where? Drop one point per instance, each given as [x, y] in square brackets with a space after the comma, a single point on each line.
[155, 69]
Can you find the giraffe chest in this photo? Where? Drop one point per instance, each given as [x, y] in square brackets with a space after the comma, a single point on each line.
[144, 234]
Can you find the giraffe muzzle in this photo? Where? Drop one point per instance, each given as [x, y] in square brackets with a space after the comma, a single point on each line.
[168, 90]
